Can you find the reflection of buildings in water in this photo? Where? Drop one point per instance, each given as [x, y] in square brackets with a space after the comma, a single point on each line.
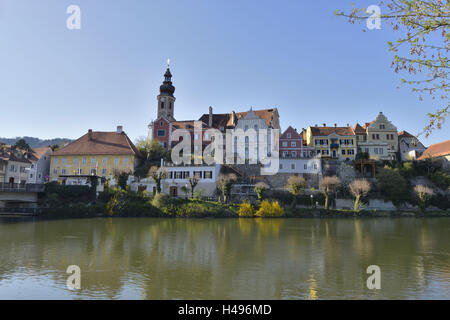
[312, 288]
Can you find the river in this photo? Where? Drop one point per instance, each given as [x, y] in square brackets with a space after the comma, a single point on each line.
[145, 258]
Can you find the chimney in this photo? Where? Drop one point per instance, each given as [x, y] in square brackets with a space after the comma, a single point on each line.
[119, 129]
[335, 125]
[348, 124]
[233, 118]
[90, 134]
[315, 125]
[324, 124]
[210, 117]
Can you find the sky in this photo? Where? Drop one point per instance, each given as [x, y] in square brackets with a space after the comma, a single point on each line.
[294, 55]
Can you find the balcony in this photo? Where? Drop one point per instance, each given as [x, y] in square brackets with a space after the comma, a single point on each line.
[334, 145]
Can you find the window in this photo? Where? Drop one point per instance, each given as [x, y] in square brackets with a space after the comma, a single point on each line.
[289, 135]
[162, 104]
[256, 127]
[343, 151]
[104, 171]
[293, 144]
[294, 154]
[125, 161]
[83, 161]
[284, 144]
[39, 175]
[75, 161]
[305, 166]
[79, 171]
[161, 124]
[32, 166]
[198, 174]
[104, 160]
[207, 136]
[64, 161]
[281, 166]
[178, 174]
[12, 168]
[381, 151]
[55, 161]
[31, 176]
[376, 150]
[22, 169]
[161, 133]
[196, 136]
[293, 166]
[382, 126]
[315, 165]
[208, 174]
[63, 171]
[55, 171]
[116, 161]
[93, 161]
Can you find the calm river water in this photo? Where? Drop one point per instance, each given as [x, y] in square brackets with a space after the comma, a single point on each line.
[225, 259]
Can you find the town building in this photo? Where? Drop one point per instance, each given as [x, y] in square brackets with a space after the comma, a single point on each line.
[335, 143]
[378, 138]
[24, 166]
[410, 147]
[40, 167]
[94, 154]
[438, 153]
[293, 146]
[178, 177]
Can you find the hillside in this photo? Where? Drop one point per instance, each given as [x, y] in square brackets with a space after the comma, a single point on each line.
[36, 142]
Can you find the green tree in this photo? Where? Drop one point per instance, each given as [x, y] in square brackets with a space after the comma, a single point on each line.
[225, 184]
[421, 50]
[328, 186]
[392, 185]
[121, 178]
[22, 144]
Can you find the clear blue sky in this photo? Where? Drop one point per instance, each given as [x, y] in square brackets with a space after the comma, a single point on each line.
[294, 55]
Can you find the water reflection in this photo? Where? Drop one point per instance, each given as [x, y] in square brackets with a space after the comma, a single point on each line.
[226, 259]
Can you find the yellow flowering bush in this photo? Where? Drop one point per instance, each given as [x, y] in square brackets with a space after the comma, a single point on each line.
[270, 209]
[246, 210]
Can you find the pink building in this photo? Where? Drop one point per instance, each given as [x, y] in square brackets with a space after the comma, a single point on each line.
[292, 146]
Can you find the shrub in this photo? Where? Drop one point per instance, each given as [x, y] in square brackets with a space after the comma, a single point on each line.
[392, 185]
[246, 210]
[260, 188]
[161, 200]
[270, 209]
[423, 193]
[441, 179]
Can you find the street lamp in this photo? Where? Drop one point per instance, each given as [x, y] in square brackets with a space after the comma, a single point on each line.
[312, 200]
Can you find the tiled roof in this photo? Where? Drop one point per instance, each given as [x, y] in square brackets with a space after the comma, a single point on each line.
[405, 134]
[225, 119]
[294, 134]
[188, 124]
[359, 130]
[100, 143]
[436, 150]
[39, 152]
[326, 131]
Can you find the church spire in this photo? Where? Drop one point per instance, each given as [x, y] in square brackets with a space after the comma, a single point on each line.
[166, 99]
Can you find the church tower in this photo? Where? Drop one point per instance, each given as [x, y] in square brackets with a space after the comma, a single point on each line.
[166, 100]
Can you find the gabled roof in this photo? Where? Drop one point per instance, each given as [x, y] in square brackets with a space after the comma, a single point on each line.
[405, 134]
[359, 130]
[225, 120]
[294, 134]
[100, 143]
[326, 131]
[436, 150]
[39, 152]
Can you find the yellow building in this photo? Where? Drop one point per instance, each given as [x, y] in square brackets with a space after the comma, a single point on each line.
[95, 153]
[338, 143]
